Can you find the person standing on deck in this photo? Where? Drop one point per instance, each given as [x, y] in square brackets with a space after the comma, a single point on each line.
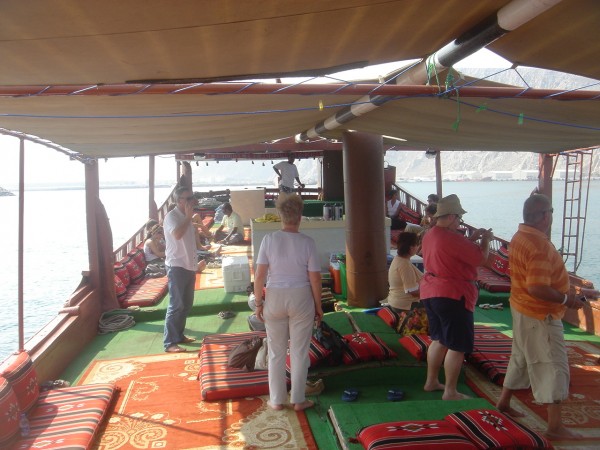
[287, 172]
[539, 296]
[289, 264]
[181, 262]
[449, 293]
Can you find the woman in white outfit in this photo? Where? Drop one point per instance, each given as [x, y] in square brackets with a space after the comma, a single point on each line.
[289, 264]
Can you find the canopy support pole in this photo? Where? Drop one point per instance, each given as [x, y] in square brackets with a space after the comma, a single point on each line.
[366, 260]
[21, 242]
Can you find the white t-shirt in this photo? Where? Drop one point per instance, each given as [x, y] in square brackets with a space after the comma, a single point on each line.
[180, 252]
[232, 221]
[290, 256]
[289, 172]
[392, 210]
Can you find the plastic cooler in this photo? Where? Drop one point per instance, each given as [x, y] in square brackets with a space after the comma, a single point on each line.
[236, 273]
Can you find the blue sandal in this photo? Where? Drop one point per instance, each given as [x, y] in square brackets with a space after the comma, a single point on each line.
[395, 395]
[350, 394]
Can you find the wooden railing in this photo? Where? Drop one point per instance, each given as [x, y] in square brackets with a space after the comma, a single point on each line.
[419, 206]
[139, 236]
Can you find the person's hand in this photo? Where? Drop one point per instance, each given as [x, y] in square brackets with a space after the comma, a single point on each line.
[487, 234]
[259, 312]
[318, 314]
[189, 210]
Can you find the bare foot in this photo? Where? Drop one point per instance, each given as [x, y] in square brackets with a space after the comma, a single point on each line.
[563, 433]
[437, 386]
[455, 396]
[510, 411]
[304, 405]
[275, 407]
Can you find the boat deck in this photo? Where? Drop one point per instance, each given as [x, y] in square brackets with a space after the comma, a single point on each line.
[332, 422]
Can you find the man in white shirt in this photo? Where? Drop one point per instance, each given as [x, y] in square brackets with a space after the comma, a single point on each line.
[287, 172]
[231, 230]
[181, 262]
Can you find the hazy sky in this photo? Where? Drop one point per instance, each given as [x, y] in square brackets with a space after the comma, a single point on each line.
[51, 167]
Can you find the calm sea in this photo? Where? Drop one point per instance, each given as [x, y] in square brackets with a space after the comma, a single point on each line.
[56, 247]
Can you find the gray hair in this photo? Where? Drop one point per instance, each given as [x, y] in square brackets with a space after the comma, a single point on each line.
[534, 208]
[290, 208]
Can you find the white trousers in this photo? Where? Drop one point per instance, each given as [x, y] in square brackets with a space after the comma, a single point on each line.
[289, 314]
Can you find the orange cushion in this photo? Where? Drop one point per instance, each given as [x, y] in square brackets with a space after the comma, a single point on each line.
[19, 371]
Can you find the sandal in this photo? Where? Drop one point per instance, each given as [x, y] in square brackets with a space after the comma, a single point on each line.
[175, 349]
[226, 314]
[350, 395]
[395, 395]
[187, 340]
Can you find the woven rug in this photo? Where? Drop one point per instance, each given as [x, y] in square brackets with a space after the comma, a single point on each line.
[160, 407]
[581, 411]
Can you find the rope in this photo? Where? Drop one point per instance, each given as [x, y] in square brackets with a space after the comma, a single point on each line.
[115, 323]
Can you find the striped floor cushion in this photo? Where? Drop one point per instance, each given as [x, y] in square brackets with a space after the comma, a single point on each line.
[491, 353]
[416, 344]
[68, 417]
[149, 293]
[492, 282]
[217, 380]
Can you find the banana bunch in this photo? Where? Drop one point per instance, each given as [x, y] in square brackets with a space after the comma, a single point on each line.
[269, 217]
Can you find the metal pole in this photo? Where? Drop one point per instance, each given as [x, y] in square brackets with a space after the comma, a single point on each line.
[20, 245]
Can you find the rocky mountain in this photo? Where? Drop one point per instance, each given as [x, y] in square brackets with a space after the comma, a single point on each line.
[5, 192]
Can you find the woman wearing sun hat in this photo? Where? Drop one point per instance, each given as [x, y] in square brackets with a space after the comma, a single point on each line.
[449, 293]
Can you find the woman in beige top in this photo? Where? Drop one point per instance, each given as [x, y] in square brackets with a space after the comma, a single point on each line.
[403, 276]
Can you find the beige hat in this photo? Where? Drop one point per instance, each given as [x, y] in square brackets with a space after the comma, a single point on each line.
[449, 205]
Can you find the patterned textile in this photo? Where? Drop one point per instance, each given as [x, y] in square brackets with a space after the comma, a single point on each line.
[492, 282]
[148, 293]
[68, 417]
[389, 316]
[122, 272]
[9, 414]
[364, 346]
[414, 435]
[491, 353]
[492, 429]
[120, 289]
[413, 322]
[417, 345]
[316, 353]
[217, 380]
[136, 272]
[19, 372]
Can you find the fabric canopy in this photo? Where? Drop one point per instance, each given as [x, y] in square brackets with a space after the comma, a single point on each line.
[48, 44]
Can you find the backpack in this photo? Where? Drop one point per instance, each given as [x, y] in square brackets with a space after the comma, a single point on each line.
[243, 355]
[333, 341]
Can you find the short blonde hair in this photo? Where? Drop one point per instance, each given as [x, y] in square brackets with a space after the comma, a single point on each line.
[290, 208]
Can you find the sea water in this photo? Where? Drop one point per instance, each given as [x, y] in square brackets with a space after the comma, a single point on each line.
[55, 240]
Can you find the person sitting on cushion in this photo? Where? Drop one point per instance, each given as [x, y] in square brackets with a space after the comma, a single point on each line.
[403, 276]
[231, 230]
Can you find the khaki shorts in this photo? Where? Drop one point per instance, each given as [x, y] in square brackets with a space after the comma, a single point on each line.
[538, 358]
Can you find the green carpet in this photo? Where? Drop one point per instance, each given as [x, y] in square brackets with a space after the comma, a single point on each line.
[352, 417]
[372, 384]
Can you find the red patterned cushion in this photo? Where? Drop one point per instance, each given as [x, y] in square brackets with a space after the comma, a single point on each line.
[316, 353]
[120, 288]
[138, 256]
[19, 371]
[9, 414]
[409, 215]
[416, 344]
[492, 429]
[364, 347]
[217, 380]
[491, 353]
[417, 434]
[498, 263]
[491, 281]
[122, 272]
[148, 293]
[68, 418]
[136, 272]
[388, 316]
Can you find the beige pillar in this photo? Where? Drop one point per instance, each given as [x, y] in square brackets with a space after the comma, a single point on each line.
[366, 257]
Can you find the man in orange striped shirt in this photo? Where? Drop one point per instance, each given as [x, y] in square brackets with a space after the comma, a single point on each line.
[540, 295]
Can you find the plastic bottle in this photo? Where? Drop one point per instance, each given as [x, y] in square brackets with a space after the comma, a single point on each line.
[24, 425]
[339, 212]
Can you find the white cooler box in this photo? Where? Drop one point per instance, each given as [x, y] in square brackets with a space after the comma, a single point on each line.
[236, 273]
